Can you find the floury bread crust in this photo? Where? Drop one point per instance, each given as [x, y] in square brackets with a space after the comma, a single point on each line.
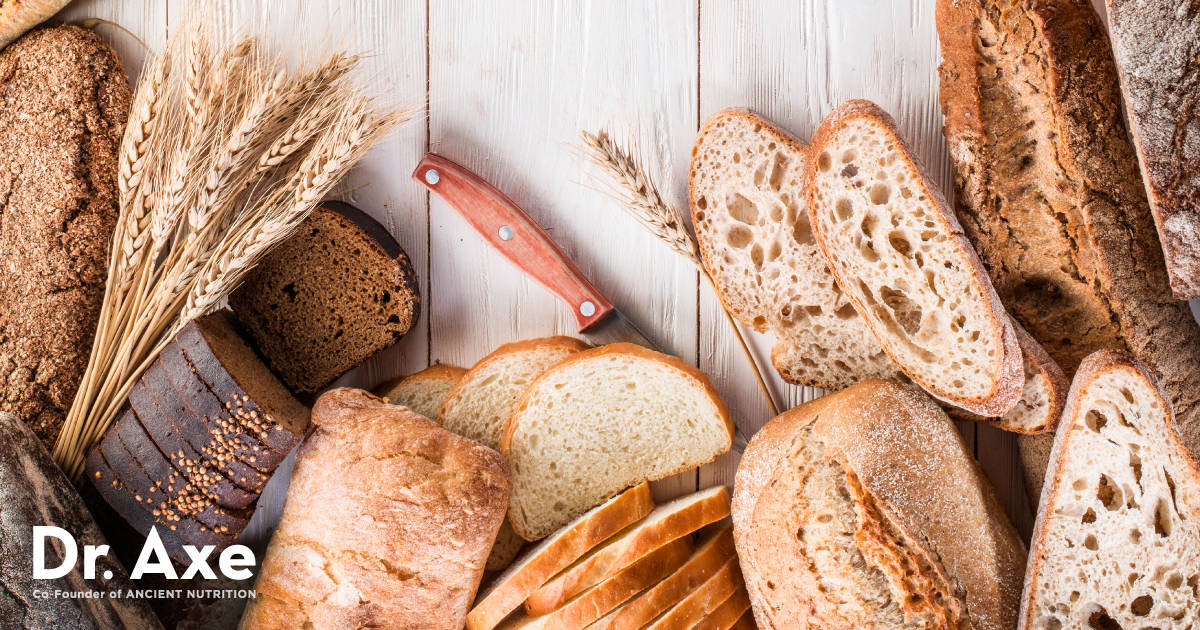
[1117, 542]
[899, 254]
[747, 200]
[864, 509]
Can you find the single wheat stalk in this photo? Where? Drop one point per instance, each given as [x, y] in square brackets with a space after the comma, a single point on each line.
[640, 196]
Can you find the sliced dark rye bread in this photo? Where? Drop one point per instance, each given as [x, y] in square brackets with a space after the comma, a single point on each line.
[323, 301]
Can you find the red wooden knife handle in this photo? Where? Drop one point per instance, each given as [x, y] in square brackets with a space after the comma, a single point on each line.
[507, 228]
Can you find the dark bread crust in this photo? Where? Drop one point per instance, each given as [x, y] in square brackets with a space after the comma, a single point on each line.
[1114, 292]
[64, 99]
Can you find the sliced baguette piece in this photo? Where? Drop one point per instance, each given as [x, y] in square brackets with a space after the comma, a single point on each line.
[603, 420]
[710, 555]
[1117, 541]
[900, 255]
[727, 614]
[665, 524]
[557, 552]
[423, 391]
[703, 601]
[863, 509]
[746, 188]
[595, 602]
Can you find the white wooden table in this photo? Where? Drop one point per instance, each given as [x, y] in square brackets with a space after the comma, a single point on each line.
[505, 87]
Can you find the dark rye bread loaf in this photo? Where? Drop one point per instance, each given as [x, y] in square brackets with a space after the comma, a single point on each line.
[204, 428]
[64, 99]
[1050, 195]
[34, 492]
[323, 301]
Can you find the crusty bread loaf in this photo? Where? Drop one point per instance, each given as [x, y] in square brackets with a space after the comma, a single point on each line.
[1049, 193]
[667, 523]
[387, 524]
[423, 391]
[865, 509]
[64, 105]
[1155, 46]
[19, 16]
[900, 256]
[746, 187]
[603, 420]
[711, 554]
[1117, 542]
[557, 552]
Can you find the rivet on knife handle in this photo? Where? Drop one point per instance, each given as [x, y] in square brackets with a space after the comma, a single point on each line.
[508, 229]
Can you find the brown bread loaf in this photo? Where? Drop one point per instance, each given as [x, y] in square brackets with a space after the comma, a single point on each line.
[1050, 195]
[336, 292]
[64, 99]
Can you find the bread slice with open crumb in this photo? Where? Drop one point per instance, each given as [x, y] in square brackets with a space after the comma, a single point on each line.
[1042, 399]
[603, 420]
[423, 391]
[900, 256]
[747, 199]
[1117, 542]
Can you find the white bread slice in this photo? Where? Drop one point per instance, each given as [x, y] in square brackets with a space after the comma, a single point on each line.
[481, 403]
[863, 509]
[727, 614]
[423, 391]
[602, 420]
[666, 523]
[1117, 541]
[597, 601]
[900, 255]
[710, 555]
[703, 601]
[746, 188]
[556, 553]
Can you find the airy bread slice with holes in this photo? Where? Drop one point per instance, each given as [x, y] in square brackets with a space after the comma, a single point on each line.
[901, 257]
[423, 391]
[603, 420]
[1042, 399]
[747, 198]
[1117, 543]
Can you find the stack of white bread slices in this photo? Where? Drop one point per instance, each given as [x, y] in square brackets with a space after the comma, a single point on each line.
[626, 564]
[854, 260]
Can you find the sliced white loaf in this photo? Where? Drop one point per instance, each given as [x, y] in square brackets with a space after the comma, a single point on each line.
[901, 257]
[747, 199]
[601, 421]
[1117, 543]
[424, 391]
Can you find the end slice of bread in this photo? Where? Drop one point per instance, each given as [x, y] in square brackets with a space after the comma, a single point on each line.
[1117, 542]
[746, 188]
[901, 257]
[601, 421]
[423, 391]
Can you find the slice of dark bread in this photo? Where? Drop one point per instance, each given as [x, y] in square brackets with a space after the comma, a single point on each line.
[323, 301]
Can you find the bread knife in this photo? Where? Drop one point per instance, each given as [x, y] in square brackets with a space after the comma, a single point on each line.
[507, 228]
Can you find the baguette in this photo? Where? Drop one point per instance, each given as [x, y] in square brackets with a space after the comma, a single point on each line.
[1117, 541]
[900, 256]
[557, 552]
[865, 509]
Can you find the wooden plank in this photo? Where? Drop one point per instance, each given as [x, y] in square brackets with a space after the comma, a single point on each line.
[511, 86]
[124, 24]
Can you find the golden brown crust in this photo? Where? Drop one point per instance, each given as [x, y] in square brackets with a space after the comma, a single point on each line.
[1006, 389]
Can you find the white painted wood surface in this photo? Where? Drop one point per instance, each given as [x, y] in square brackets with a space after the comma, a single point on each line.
[505, 87]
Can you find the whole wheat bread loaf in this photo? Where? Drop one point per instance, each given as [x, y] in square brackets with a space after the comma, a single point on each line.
[1049, 193]
[1117, 541]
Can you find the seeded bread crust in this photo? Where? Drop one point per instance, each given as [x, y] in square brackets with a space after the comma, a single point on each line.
[1066, 234]
[64, 99]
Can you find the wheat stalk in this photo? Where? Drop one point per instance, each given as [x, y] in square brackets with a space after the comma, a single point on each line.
[224, 155]
[640, 196]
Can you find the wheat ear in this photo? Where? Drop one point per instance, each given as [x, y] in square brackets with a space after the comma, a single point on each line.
[643, 200]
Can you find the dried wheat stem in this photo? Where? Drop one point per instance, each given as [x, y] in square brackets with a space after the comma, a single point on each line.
[640, 196]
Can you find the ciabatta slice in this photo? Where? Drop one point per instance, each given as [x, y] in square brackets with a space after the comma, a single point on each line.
[1042, 398]
[900, 255]
[746, 187]
[601, 421]
[666, 523]
[424, 391]
[1117, 542]
[557, 552]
